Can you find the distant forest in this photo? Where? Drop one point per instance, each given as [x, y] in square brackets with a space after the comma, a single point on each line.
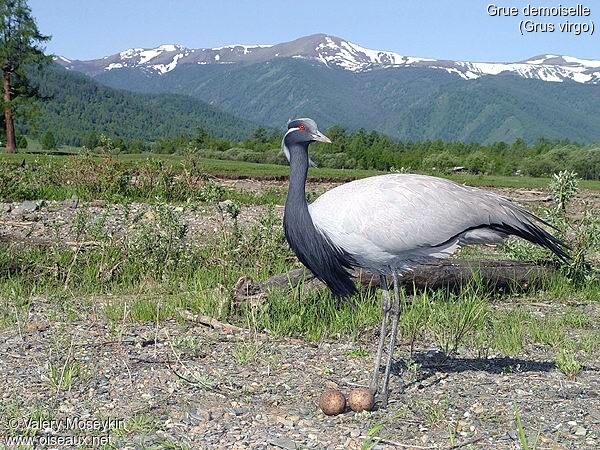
[79, 111]
[363, 149]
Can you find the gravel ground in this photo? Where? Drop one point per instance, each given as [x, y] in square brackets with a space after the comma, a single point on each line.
[53, 221]
[45, 222]
[226, 388]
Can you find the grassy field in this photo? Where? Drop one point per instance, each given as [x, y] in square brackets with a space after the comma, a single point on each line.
[242, 169]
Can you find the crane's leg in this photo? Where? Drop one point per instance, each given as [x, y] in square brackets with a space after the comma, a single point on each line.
[395, 311]
[385, 309]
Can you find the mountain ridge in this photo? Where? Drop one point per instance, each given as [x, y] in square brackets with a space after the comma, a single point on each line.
[408, 103]
[334, 52]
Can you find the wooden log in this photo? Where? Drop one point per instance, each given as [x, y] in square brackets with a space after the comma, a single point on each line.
[447, 274]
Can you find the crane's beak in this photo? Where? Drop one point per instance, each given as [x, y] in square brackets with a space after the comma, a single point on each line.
[320, 137]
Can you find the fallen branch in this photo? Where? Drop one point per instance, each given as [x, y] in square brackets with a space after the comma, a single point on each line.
[449, 274]
[209, 322]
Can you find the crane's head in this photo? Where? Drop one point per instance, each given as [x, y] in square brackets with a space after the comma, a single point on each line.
[302, 131]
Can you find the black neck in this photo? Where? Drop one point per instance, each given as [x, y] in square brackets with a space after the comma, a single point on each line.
[298, 173]
[330, 264]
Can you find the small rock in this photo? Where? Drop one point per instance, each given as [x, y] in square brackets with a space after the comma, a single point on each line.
[355, 432]
[6, 208]
[462, 425]
[580, 431]
[27, 207]
[238, 411]
[283, 442]
[73, 202]
[478, 409]
[216, 413]
[198, 416]
[284, 421]
[37, 326]
[331, 384]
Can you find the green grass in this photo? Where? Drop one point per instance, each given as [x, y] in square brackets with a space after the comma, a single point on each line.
[358, 352]
[548, 332]
[152, 272]
[215, 167]
[62, 376]
[567, 363]
[508, 331]
[242, 169]
[524, 440]
[315, 316]
[452, 320]
[246, 352]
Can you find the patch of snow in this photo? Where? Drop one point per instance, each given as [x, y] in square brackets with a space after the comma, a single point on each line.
[583, 78]
[356, 58]
[164, 68]
[376, 56]
[147, 55]
[582, 62]
[413, 60]
[168, 47]
[217, 57]
[246, 48]
[130, 53]
[113, 66]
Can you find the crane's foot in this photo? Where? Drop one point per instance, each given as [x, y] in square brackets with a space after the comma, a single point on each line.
[383, 399]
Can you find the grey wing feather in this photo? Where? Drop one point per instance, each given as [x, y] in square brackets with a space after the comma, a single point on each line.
[400, 214]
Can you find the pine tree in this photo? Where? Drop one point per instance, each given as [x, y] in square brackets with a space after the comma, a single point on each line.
[91, 141]
[260, 135]
[201, 138]
[20, 47]
[48, 141]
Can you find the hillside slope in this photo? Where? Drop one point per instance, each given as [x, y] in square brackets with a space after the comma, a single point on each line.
[407, 103]
[78, 105]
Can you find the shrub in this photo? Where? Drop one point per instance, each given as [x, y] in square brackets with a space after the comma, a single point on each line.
[48, 141]
[440, 161]
[478, 162]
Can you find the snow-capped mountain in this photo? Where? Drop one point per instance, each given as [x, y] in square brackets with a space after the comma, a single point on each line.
[337, 53]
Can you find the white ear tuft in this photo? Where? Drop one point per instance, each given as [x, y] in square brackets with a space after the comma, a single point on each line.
[285, 150]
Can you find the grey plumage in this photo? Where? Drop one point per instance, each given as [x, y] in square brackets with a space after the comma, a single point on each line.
[397, 221]
[389, 224]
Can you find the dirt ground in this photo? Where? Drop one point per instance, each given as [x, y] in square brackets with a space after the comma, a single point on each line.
[188, 384]
[183, 382]
[52, 221]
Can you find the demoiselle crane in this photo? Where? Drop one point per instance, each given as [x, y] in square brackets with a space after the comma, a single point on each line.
[388, 224]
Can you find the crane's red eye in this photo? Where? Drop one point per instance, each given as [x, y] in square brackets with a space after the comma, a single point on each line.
[301, 127]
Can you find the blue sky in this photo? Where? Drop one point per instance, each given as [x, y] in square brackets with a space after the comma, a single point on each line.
[452, 29]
